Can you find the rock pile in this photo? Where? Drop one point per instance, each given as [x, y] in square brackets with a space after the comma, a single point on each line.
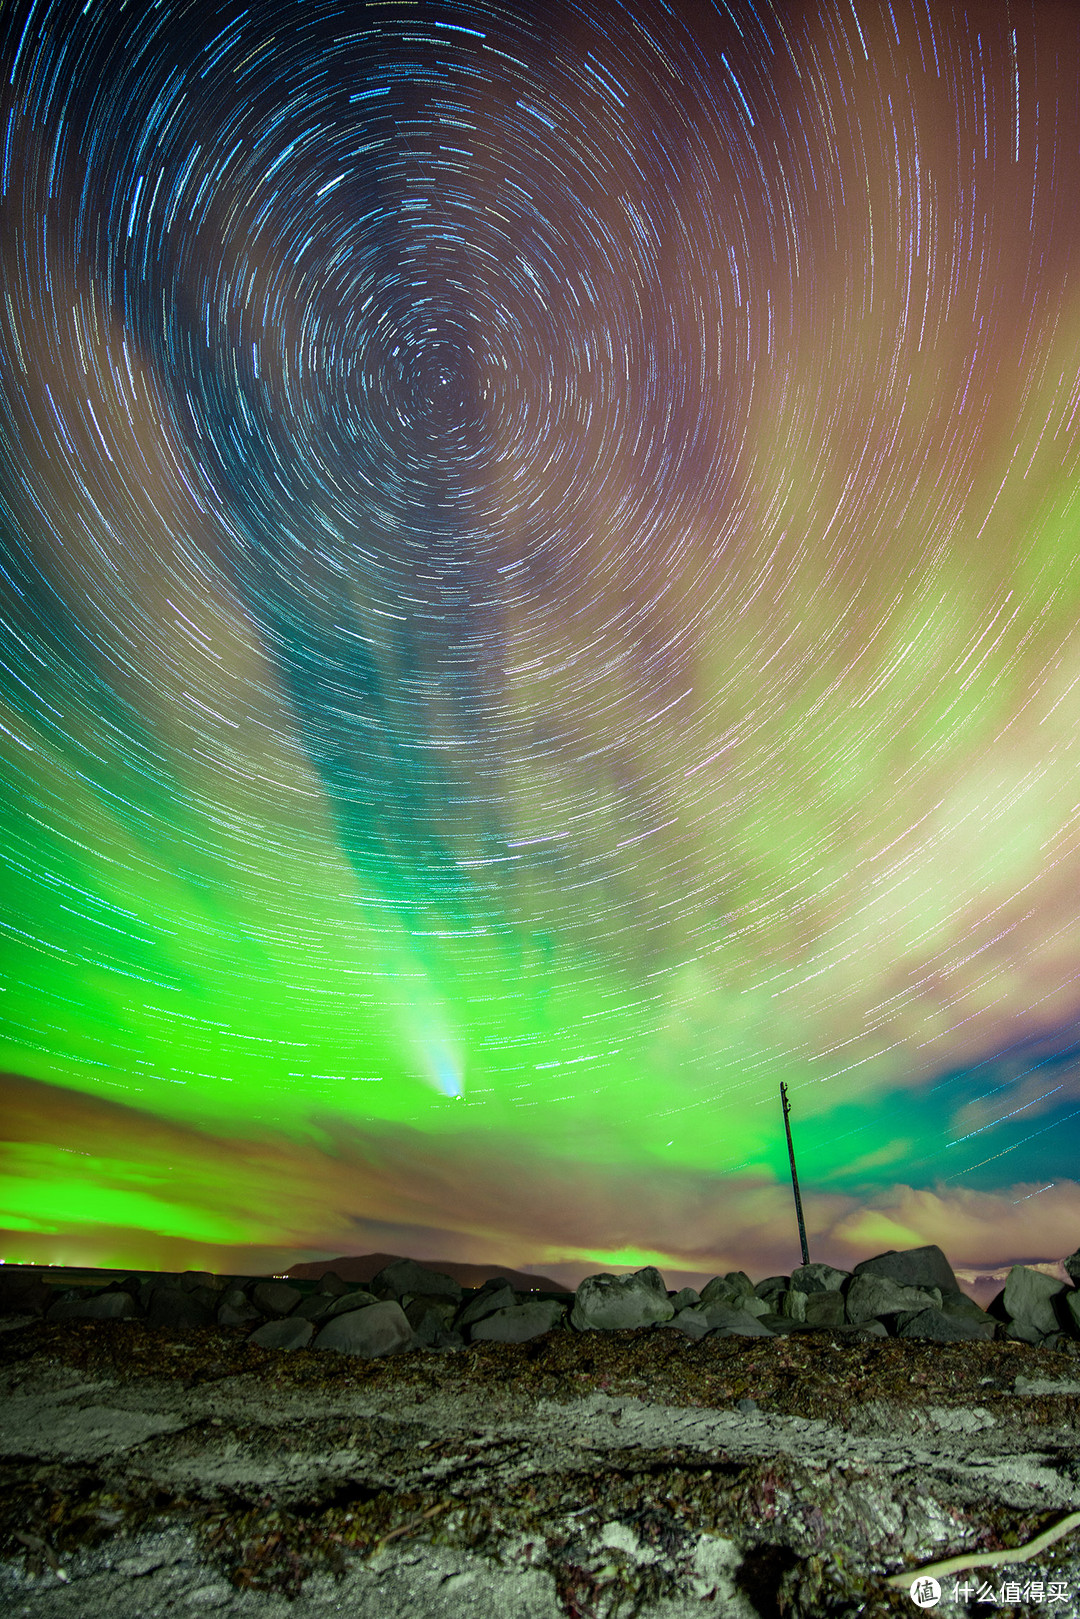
[911, 1294]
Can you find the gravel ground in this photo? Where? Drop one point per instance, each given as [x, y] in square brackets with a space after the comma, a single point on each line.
[574, 1477]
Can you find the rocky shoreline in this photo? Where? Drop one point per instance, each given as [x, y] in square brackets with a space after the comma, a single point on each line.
[910, 1294]
[776, 1464]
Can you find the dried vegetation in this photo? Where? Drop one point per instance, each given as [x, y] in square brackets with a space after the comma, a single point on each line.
[820, 1536]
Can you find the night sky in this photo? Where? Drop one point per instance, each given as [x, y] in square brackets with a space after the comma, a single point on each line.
[540, 598]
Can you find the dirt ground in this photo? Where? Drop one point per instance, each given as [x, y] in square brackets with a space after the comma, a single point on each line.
[579, 1476]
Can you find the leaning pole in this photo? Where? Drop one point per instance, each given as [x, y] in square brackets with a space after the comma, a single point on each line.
[794, 1176]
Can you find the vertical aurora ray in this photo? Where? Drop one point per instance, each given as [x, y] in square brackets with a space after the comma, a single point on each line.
[540, 596]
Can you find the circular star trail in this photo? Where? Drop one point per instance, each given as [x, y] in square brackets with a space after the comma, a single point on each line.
[540, 595]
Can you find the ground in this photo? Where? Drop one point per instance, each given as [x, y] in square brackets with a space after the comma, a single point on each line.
[579, 1476]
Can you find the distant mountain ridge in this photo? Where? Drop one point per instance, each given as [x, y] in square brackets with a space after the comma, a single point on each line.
[362, 1267]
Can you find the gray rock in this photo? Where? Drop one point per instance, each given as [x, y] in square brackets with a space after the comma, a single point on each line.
[824, 1309]
[128, 1284]
[819, 1278]
[729, 1323]
[1071, 1310]
[235, 1309]
[960, 1305]
[331, 1282]
[99, 1307]
[172, 1307]
[154, 1284]
[609, 1303]
[871, 1296]
[748, 1407]
[24, 1295]
[486, 1302]
[406, 1276]
[358, 1300]
[433, 1330]
[691, 1320]
[753, 1305]
[418, 1305]
[771, 1286]
[685, 1297]
[731, 1289]
[314, 1307]
[792, 1303]
[943, 1326]
[779, 1324]
[431, 1315]
[860, 1334]
[378, 1329]
[912, 1267]
[208, 1297]
[289, 1332]
[189, 1280]
[518, 1322]
[1028, 1298]
[1072, 1267]
[275, 1298]
[237, 1315]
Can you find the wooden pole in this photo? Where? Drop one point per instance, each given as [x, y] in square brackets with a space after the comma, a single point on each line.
[794, 1176]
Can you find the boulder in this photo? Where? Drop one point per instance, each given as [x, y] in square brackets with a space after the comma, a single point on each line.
[22, 1294]
[824, 1309]
[731, 1289]
[378, 1329]
[692, 1320]
[943, 1326]
[154, 1284]
[960, 1305]
[486, 1302]
[771, 1286]
[235, 1309]
[208, 1297]
[127, 1284]
[684, 1298]
[189, 1280]
[275, 1298]
[357, 1300]
[173, 1307]
[912, 1267]
[288, 1332]
[517, 1323]
[792, 1303]
[433, 1331]
[819, 1278]
[406, 1276]
[431, 1315]
[610, 1303]
[98, 1307]
[753, 1305]
[417, 1305]
[1070, 1309]
[777, 1324]
[729, 1323]
[870, 1296]
[1028, 1297]
[331, 1282]
[1072, 1267]
[313, 1307]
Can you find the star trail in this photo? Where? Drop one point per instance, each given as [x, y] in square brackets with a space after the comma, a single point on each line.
[540, 589]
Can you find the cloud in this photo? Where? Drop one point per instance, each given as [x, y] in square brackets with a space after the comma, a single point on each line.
[259, 1202]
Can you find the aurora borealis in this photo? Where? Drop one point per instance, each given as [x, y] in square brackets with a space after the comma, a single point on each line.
[541, 597]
